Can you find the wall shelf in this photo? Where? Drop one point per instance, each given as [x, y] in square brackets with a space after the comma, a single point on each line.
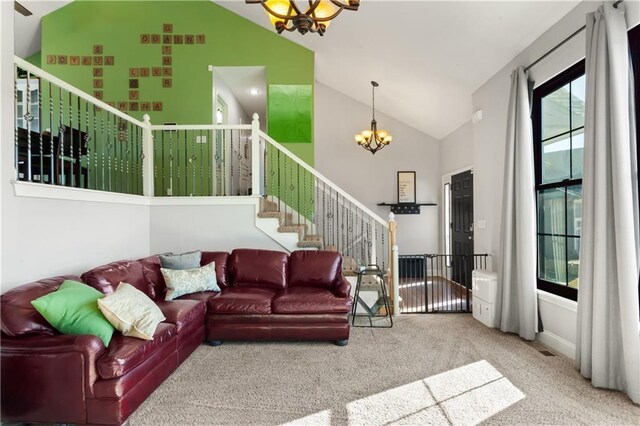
[406, 208]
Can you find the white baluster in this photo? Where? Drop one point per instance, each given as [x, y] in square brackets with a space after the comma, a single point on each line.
[147, 161]
[255, 156]
[395, 267]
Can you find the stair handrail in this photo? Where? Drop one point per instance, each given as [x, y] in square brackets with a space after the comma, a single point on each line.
[200, 127]
[32, 69]
[323, 178]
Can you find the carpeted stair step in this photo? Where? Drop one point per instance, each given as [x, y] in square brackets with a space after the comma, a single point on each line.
[281, 216]
[299, 229]
[312, 241]
[269, 206]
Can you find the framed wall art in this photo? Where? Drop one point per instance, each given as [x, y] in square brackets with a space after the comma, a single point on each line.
[406, 187]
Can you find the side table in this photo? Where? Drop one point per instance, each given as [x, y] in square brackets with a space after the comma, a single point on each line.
[382, 302]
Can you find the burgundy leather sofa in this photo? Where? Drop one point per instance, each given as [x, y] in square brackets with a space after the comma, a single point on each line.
[52, 378]
[278, 297]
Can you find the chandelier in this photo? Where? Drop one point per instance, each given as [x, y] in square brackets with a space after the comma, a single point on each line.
[373, 140]
[286, 15]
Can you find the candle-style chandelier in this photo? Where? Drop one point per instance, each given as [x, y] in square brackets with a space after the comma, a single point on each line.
[373, 140]
[287, 15]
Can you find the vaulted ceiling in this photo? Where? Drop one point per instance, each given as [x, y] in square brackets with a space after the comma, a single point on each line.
[428, 56]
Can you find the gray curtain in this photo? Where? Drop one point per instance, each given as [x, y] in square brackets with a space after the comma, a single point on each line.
[608, 338]
[517, 305]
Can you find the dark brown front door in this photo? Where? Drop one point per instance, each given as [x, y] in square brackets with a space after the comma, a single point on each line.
[462, 227]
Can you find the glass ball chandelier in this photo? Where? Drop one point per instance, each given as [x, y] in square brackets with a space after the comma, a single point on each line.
[373, 140]
[287, 15]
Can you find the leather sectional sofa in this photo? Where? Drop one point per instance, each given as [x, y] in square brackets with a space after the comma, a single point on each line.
[266, 295]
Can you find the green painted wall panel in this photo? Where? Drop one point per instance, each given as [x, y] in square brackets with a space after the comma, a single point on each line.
[290, 111]
[35, 59]
[230, 40]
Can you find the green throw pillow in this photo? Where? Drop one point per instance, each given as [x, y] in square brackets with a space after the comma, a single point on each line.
[73, 309]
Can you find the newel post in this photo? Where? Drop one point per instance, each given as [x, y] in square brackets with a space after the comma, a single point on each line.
[147, 158]
[394, 273]
[255, 156]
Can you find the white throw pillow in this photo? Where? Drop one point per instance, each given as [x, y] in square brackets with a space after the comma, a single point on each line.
[131, 312]
[186, 281]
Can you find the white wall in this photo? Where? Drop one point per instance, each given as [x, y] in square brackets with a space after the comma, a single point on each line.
[185, 228]
[488, 149]
[45, 237]
[456, 149]
[372, 179]
[6, 104]
[236, 114]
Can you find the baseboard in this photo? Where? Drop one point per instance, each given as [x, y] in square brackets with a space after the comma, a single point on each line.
[558, 343]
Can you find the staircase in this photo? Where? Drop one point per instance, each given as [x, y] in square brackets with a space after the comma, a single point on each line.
[300, 232]
[302, 209]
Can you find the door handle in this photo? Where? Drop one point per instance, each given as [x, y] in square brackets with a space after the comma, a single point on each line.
[470, 237]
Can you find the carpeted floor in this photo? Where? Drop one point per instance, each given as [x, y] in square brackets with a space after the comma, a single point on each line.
[427, 369]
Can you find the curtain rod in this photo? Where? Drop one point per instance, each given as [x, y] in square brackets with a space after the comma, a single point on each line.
[563, 42]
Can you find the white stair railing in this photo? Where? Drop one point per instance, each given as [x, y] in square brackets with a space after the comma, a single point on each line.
[64, 136]
[202, 160]
[342, 222]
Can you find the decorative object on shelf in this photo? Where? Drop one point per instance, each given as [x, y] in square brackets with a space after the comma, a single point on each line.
[406, 195]
[373, 140]
[286, 15]
[406, 187]
[406, 208]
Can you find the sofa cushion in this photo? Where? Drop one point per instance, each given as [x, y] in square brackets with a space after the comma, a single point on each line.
[314, 268]
[106, 278]
[131, 312]
[188, 260]
[182, 313]
[309, 300]
[202, 296]
[151, 268]
[17, 314]
[126, 353]
[73, 309]
[220, 257]
[153, 276]
[242, 300]
[185, 281]
[258, 268]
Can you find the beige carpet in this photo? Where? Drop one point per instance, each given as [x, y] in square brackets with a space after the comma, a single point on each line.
[427, 369]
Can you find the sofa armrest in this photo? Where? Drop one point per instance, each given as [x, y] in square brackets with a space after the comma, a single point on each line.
[343, 289]
[48, 378]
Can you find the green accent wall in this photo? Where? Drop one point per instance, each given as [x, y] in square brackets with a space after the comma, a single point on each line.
[35, 59]
[220, 38]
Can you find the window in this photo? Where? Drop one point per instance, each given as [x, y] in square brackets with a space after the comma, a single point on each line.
[558, 137]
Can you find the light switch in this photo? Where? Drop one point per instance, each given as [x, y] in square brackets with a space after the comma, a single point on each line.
[481, 224]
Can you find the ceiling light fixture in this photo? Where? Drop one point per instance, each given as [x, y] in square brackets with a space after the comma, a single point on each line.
[286, 15]
[254, 92]
[373, 140]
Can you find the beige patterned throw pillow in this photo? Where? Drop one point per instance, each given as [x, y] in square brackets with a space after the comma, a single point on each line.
[131, 311]
[186, 281]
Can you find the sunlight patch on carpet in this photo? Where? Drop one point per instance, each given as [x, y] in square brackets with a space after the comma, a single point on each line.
[320, 418]
[466, 395]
